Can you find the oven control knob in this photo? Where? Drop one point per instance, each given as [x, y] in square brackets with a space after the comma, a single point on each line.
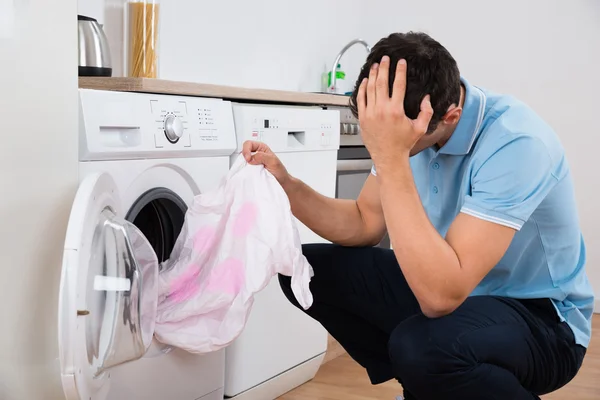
[173, 128]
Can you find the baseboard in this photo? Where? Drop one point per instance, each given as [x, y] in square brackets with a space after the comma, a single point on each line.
[283, 383]
[334, 349]
[597, 306]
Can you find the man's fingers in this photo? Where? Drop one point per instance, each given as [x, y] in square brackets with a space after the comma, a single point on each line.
[266, 159]
[424, 117]
[251, 146]
[371, 94]
[383, 78]
[361, 99]
[399, 85]
[247, 150]
[257, 158]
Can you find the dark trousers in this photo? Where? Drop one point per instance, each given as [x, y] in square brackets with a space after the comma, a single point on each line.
[489, 348]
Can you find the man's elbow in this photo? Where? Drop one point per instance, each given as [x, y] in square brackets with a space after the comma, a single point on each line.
[375, 235]
[439, 306]
[374, 240]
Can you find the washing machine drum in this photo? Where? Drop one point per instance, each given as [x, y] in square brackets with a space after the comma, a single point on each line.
[159, 214]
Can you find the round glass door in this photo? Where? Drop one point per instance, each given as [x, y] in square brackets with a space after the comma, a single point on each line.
[108, 291]
[122, 294]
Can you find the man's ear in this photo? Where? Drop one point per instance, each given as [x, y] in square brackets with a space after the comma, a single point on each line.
[452, 116]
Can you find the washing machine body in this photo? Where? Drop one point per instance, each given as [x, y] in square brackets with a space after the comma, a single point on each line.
[143, 158]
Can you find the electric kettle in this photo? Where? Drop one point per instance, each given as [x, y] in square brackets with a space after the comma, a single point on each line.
[94, 52]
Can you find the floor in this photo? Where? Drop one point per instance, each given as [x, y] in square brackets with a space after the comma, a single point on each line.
[343, 379]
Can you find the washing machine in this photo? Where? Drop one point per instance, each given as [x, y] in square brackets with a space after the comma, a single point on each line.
[143, 158]
[281, 347]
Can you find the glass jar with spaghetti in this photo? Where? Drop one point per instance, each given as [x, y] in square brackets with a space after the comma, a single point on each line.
[142, 33]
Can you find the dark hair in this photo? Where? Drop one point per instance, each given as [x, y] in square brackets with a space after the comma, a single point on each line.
[430, 70]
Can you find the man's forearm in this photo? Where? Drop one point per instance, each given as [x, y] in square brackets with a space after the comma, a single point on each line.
[336, 220]
[428, 262]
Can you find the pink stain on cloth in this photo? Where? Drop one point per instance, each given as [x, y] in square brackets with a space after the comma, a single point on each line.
[235, 239]
[187, 284]
[245, 219]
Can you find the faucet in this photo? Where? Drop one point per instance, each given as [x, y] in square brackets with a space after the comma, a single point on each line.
[331, 88]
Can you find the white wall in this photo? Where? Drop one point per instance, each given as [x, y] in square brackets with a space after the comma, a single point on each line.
[38, 178]
[236, 43]
[262, 43]
[545, 52]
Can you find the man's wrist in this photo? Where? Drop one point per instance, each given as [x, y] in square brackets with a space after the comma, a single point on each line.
[289, 184]
[387, 167]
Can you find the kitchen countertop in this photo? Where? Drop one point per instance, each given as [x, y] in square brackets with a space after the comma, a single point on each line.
[161, 86]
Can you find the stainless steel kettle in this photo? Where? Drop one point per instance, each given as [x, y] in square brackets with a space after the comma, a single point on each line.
[94, 52]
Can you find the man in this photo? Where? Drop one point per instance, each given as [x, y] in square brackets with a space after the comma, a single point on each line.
[484, 295]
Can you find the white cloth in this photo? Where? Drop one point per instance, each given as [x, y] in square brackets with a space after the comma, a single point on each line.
[234, 240]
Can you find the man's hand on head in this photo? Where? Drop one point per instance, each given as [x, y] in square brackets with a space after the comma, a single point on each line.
[441, 271]
[386, 130]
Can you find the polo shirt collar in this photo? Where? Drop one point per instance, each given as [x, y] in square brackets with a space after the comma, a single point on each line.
[469, 125]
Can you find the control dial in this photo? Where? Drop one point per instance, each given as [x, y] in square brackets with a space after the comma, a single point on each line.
[173, 128]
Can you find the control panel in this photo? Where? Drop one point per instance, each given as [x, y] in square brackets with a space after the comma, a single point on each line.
[124, 125]
[288, 128]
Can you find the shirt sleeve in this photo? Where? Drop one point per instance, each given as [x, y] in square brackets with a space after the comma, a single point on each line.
[511, 183]
[373, 171]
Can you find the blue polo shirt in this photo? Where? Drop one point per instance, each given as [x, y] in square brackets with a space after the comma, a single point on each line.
[505, 165]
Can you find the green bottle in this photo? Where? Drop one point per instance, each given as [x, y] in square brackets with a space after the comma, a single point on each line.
[340, 80]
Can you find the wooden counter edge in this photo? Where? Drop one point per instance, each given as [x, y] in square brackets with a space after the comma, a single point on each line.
[161, 86]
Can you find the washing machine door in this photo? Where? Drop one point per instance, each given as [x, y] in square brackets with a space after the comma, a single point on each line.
[108, 291]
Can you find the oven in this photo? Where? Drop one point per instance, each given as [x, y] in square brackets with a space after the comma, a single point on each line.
[354, 162]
